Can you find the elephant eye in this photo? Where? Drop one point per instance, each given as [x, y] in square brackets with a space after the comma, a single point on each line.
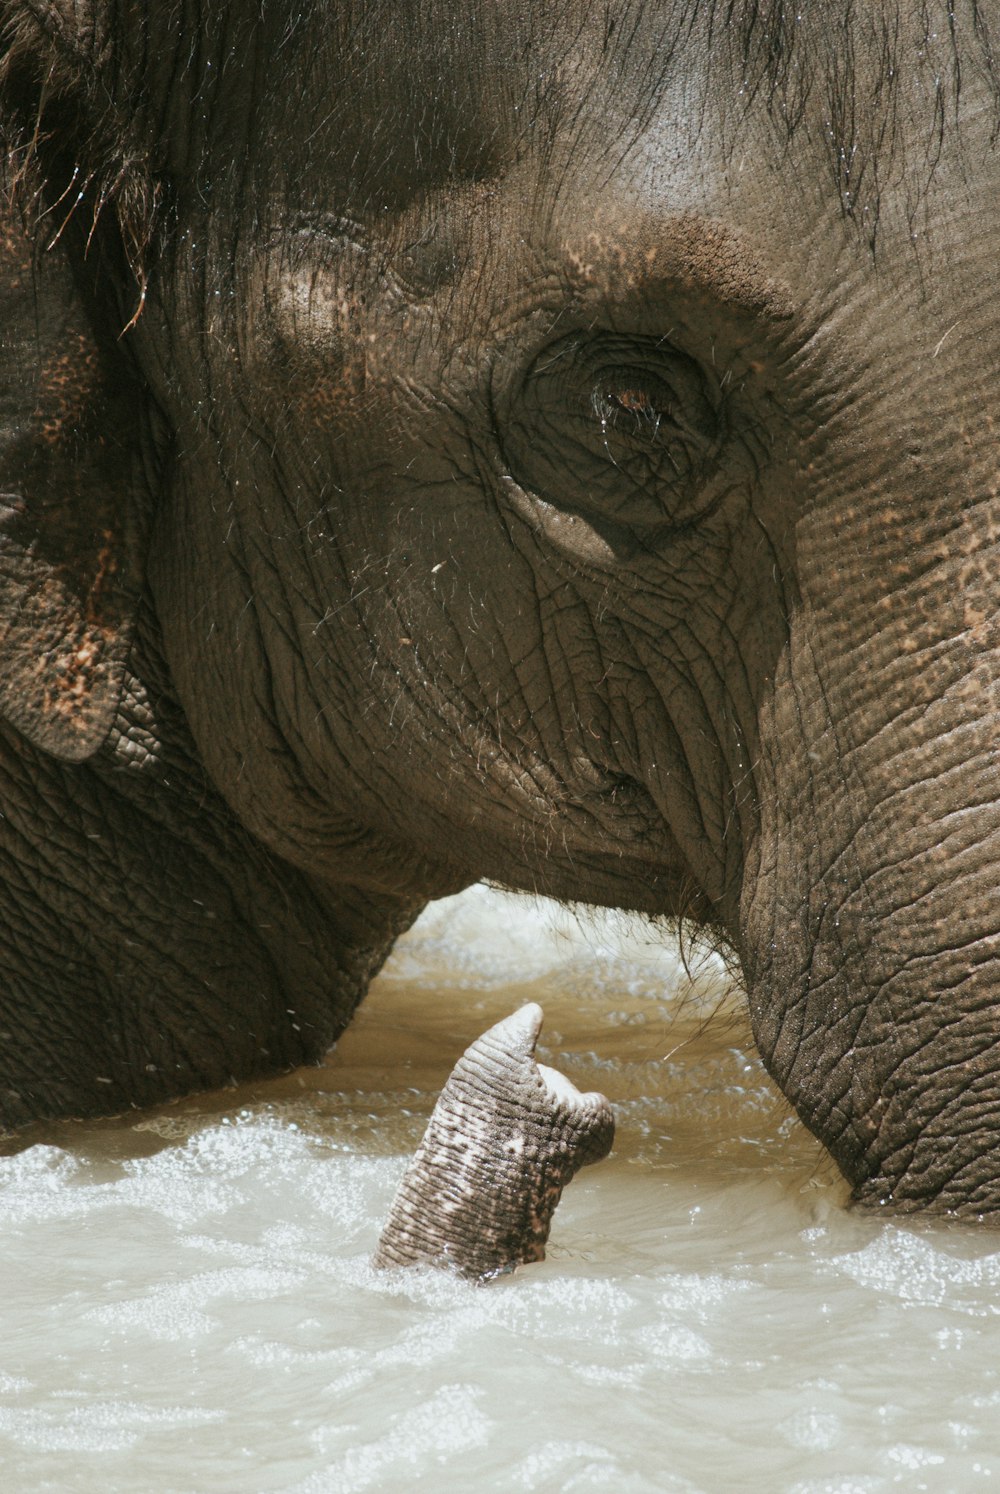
[646, 411]
[676, 418]
[628, 430]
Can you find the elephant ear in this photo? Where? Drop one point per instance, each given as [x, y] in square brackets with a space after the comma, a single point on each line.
[70, 524]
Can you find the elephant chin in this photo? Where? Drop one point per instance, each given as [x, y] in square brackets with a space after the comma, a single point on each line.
[506, 1136]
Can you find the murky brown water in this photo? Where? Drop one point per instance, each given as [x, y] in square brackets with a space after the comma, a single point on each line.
[187, 1303]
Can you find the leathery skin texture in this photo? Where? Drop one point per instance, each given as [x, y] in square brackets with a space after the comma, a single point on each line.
[506, 1136]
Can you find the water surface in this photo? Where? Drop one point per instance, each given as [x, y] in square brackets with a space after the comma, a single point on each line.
[187, 1302]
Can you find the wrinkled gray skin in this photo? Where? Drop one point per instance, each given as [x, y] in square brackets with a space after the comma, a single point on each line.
[506, 1136]
[558, 443]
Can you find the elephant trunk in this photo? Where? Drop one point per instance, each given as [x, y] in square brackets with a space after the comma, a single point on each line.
[505, 1137]
[871, 911]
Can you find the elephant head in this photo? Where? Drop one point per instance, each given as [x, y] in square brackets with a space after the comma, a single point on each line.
[548, 443]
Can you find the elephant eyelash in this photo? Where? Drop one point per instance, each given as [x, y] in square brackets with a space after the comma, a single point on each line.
[614, 406]
[643, 411]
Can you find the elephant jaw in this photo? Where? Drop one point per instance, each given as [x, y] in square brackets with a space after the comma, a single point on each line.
[505, 1137]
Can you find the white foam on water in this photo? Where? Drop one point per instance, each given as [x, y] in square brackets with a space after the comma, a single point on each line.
[188, 1303]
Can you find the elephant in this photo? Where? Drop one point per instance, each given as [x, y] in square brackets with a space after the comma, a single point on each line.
[505, 1137]
[548, 443]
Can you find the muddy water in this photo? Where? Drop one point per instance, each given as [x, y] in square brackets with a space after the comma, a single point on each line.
[187, 1304]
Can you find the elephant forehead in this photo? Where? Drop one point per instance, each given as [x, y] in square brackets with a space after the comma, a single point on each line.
[323, 287]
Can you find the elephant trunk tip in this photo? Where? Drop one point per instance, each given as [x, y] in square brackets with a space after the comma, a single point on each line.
[517, 1034]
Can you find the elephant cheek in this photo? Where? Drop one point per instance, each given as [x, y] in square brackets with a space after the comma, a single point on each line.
[502, 1143]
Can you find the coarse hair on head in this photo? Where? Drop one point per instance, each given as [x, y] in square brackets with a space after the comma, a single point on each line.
[68, 143]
